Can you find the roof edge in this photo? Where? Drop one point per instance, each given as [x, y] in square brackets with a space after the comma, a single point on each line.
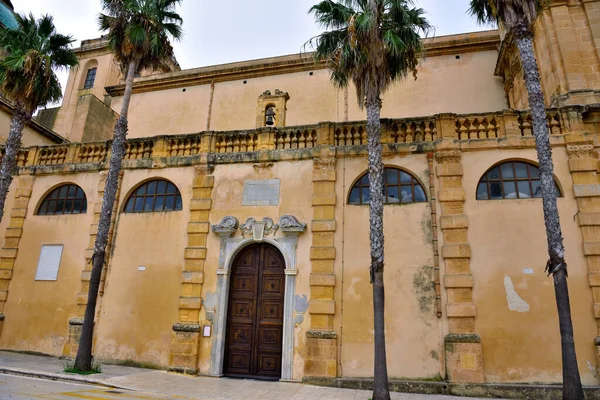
[36, 126]
[436, 46]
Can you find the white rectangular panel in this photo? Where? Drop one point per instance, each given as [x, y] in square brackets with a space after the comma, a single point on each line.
[49, 262]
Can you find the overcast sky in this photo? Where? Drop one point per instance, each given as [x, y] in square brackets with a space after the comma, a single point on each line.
[217, 32]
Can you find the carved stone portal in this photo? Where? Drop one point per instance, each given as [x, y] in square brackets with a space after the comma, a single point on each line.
[254, 231]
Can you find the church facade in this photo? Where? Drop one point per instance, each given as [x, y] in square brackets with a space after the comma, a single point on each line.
[239, 244]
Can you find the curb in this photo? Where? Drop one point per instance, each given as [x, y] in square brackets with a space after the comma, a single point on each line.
[63, 378]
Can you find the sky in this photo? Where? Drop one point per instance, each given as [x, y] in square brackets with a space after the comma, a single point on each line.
[223, 31]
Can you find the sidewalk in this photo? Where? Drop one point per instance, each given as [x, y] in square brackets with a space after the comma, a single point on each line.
[185, 387]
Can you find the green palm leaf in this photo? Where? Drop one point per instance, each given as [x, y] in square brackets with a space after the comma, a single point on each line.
[31, 54]
[139, 30]
[371, 48]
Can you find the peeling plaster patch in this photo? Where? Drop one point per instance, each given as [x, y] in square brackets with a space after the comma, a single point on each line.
[300, 307]
[515, 302]
[210, 305]
[210, 301]
[229, 191]
[352, 289]
[592, 369]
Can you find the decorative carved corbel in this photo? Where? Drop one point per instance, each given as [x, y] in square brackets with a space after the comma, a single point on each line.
[260, 166]
[448, 156]
[291, 226]
[227, 227]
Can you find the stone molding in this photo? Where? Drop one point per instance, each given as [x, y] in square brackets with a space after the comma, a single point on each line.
[463, 352]
[321, 339]
[580, 149]
[462, 338]
[186, 338]
[230, 247]
[76, 321]
[186, 327]
[316, 334]
[14, 231]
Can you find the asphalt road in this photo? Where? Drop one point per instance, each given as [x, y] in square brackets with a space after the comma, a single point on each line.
[21, 388]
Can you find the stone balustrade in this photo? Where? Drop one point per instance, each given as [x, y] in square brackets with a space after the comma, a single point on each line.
[503, 124]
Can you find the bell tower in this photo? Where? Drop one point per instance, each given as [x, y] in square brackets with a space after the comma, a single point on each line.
[271, 109]
[567, 44]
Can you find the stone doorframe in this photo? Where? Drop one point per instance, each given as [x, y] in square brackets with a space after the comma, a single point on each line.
[254, 232]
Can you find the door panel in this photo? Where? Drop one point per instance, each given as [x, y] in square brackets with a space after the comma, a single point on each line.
[255, 314]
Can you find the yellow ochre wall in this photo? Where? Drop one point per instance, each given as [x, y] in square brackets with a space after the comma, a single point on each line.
[413, 331]
[468, 84]
[40, 310]
[494, 241]
[139, 307]
[507, 237]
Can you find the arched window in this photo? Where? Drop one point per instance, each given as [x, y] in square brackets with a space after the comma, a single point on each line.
[154, 196]
[65, 199]
[90, 78]
[399, 187]
[511, 180]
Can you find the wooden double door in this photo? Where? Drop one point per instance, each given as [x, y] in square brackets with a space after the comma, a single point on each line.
[254, 335]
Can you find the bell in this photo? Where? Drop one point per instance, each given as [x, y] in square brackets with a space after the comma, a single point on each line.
[270, 117]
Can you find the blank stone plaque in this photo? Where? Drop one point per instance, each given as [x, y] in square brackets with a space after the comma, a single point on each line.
[49, 262]
[261, 193]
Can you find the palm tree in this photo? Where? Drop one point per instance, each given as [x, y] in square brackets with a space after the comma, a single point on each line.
[29, 56]
[518, 17]
[372, 43]
[138, 35]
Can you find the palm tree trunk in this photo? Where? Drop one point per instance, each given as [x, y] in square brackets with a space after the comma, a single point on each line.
[572, 389]
[12, 147]
[381, 389]
[83, 360]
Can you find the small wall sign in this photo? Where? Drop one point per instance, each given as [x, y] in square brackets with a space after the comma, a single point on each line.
[206, 330]
[47, 269]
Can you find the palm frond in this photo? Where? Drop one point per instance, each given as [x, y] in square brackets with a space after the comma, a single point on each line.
[371, 43]
[141, 30]
[511, 13]
[31, 54]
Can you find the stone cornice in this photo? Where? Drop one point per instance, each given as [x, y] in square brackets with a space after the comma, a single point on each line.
[437, 46]
[473, 132]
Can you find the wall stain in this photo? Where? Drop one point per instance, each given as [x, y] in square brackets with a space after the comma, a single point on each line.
[434, 355]
[425, 288]
[300, 307]
[426, 225]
